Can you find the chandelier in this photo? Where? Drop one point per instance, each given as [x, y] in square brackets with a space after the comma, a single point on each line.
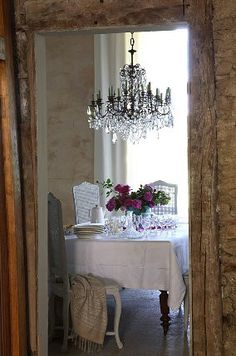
[135, 110]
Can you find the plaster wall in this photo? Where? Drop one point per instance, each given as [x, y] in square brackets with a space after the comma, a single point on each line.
[70, 83]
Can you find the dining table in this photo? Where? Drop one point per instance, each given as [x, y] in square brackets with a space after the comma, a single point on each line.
[155, 261]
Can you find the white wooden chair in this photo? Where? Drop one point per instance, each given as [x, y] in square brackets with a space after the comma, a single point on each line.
[85, 197]
[172, 191]
[59, 284]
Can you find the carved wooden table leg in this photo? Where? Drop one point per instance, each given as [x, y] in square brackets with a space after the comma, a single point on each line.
[164, 311]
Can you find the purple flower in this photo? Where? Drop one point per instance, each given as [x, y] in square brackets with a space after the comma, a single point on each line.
[122, 189]
[151, 204]
[118, 188]
[137, 204]
[147, 196]
[111, 204]
[121, 199]
[128, 203]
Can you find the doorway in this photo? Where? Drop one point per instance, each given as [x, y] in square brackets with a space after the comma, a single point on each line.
[63, 122]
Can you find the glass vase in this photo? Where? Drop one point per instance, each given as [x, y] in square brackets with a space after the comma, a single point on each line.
[130, 232]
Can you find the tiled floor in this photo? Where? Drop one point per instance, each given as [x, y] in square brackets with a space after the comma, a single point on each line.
[140, 330]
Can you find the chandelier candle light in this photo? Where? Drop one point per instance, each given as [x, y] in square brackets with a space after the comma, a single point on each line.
[135, 110]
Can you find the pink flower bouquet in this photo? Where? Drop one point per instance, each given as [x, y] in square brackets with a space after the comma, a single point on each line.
[139, 201]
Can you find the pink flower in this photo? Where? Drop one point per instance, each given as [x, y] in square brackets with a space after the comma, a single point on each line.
[122, 189]
[128, 203]
[137, 204]
[147, 196]
[122, 199]
[111, 204]
[118, 188]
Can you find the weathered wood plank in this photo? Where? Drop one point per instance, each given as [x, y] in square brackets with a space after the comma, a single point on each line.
[28, 147]
[4, 282]
[78, 14]
[12, 239]
[224, 25]
[206, 306]
[5, 326]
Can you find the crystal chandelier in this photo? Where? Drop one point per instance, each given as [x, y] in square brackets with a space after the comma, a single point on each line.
[135, 109]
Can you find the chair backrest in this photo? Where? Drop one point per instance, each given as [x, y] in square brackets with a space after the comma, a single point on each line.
[171, 190]
[56, 242]
[85, 196]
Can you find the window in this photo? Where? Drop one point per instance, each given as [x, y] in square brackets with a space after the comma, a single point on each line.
[164, 55]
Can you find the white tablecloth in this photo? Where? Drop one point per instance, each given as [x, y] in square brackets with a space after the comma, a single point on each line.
[156, 262]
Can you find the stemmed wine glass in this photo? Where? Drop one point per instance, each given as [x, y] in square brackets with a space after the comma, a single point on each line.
[146, 223]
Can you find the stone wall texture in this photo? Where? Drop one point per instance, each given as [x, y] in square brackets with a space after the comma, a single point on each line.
[224, 32]
[69, 71]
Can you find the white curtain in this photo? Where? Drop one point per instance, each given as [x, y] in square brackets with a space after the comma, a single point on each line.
[109, 57]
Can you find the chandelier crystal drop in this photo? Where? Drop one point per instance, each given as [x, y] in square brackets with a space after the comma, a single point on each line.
[135, 110]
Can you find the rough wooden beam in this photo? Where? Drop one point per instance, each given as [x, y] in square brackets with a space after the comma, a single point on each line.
[224, 25]
[206, 306]
[76, 14]
[28, 149]
[12, 269]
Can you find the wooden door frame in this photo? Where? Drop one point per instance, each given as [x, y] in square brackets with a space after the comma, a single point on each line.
[13, 327]
[32, 18]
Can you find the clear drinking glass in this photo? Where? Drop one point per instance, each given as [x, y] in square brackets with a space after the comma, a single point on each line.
[146, 223]
[130, 231]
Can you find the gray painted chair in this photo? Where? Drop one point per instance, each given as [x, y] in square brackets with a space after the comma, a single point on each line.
[59, 284]
[58, 275]
[172, 190]
[85, 197]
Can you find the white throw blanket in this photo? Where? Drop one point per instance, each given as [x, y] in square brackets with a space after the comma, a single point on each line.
[88, 311]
